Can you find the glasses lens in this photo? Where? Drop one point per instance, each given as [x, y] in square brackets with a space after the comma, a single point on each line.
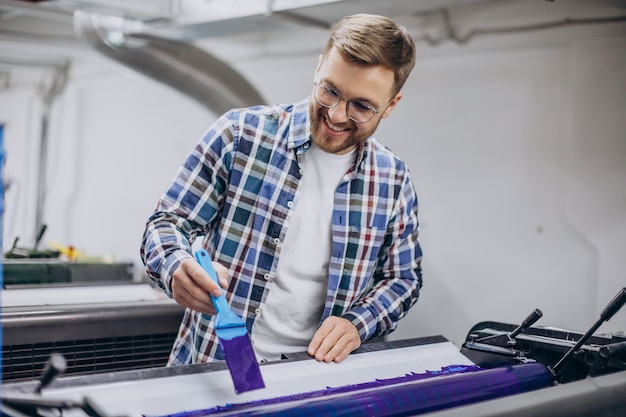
[359, 112]
[326, 97]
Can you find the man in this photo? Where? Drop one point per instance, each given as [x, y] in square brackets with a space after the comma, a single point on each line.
[311, 223]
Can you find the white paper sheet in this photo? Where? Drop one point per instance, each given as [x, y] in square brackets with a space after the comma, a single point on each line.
[171, 395]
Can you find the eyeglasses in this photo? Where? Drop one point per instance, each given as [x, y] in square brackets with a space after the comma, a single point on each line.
[329, 98]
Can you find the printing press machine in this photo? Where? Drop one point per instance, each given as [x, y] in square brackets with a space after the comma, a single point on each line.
[501, 370]
[94, 314]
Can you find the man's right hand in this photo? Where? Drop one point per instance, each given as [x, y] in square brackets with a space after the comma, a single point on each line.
[191, 285]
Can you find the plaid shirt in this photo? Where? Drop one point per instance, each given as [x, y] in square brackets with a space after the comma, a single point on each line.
[237, 188]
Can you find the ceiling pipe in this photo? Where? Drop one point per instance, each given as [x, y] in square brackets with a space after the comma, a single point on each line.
[48, 90]
[182, 66]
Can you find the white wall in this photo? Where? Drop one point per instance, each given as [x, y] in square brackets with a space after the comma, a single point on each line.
[516, 144]
[116, 139]
[520, 160]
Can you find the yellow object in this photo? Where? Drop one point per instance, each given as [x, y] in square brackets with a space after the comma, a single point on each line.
[69, 253]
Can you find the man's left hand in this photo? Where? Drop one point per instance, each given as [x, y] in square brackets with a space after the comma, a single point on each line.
[334, 340]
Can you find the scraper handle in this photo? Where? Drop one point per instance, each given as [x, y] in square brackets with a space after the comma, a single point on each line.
[42, 230]
[614, 306]
[528, 321]
[55, 366]
[203, 258]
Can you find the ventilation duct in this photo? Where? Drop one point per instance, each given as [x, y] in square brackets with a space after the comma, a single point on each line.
[186, 68]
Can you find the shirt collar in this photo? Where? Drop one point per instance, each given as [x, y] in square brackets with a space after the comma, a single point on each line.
[300, 126]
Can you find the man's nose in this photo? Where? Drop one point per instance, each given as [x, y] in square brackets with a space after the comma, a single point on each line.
[339, 113]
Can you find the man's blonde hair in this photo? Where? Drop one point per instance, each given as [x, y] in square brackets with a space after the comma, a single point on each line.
[374, 40]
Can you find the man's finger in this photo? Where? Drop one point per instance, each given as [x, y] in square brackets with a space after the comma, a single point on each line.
[319, 337]
[341, 350]
[335, 340]
[200, 277]
[191, 285]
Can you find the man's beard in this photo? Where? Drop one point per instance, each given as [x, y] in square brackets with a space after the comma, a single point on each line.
[332, 145]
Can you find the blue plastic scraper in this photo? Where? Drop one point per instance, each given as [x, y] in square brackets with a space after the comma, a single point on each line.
[234, 338]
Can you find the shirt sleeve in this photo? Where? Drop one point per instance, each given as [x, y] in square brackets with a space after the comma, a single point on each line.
[190, 204]
[398, 276]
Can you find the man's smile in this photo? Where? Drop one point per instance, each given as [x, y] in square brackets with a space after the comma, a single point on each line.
[333, 127]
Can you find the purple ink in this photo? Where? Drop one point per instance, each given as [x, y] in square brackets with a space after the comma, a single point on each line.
[233, 336]
[411, 394]
[242, 364]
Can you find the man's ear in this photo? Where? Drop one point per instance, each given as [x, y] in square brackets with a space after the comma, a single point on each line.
[391, 105]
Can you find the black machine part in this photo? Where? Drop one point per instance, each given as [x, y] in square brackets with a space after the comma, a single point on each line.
[17, 252]
[609, 311]
[492, 344]
[55, 366]
[29, 405]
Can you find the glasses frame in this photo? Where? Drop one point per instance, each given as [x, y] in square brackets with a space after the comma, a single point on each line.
[372, 109]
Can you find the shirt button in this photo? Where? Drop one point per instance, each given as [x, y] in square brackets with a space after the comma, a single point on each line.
[257, 311]
[292, 144]
[267, 277]
[301, 171]
[290, 204]
[276, 241]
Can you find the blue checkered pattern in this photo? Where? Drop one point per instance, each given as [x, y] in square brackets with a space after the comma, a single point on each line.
[236, 189]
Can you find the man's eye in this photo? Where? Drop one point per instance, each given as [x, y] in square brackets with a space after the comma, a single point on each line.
[358, 106]
[331, 93]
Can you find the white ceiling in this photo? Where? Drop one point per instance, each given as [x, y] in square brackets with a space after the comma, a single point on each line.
[37, 32]
[40, 30]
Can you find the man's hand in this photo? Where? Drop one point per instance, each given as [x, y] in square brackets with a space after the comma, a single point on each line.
[334, 340]
[191, 285]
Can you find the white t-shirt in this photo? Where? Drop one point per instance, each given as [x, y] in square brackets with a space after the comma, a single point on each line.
[292, 311]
